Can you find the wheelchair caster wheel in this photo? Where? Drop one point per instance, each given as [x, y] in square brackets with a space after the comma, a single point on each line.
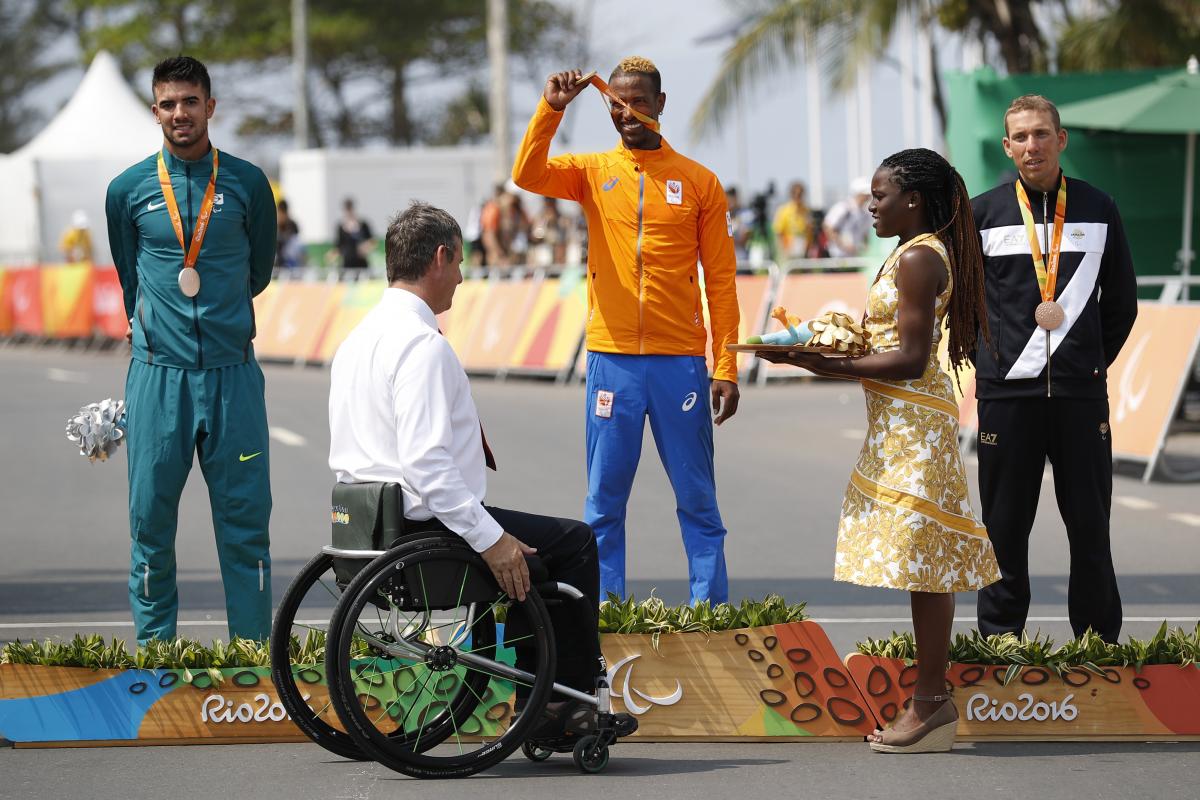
[535, 753]
[590, 756]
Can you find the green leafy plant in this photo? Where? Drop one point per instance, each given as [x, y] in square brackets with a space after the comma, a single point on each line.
[654, 617]
[187, 655]
[1087, 652]
[651, 616]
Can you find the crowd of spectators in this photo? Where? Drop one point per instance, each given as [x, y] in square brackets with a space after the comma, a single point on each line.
[501, 234]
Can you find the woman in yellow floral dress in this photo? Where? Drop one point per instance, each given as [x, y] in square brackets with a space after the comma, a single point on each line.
[906, 520]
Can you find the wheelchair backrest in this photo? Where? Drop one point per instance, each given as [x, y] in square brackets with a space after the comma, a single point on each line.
[364, 516]
[370, 516]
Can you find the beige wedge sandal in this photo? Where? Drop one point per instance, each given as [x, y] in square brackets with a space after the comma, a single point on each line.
[934, 735]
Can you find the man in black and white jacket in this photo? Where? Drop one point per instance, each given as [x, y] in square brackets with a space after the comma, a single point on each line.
[1041, 383]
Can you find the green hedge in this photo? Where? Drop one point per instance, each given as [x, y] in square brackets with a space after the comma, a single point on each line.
[650, 616]
[1088, 652]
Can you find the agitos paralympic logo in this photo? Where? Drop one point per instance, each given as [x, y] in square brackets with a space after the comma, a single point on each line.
[339, 515]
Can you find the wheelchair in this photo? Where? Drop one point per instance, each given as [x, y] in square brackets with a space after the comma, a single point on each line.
[419, 649]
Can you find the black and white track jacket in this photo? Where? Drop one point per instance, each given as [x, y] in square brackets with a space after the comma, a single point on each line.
[1096, 287]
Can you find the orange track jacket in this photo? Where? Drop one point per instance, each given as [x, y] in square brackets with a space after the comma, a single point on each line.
[651, 214]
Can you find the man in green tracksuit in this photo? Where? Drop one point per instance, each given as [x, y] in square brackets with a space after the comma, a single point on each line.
[192, 232]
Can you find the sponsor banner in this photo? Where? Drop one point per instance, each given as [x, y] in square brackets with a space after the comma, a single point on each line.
[25, 287]
[1145, 381]
[1155, 702]
[458, 323]
[808, 295]
[771, 681]
[497, 324]
[67, 301]
[554, 328]
[781, 681]
[294, 319]
[753, 294]
[108, 304]
[6, 317]
[358, 299]
[262, 307]
[68, 704]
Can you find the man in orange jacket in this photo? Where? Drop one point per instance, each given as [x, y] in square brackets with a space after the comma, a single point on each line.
[652, 215]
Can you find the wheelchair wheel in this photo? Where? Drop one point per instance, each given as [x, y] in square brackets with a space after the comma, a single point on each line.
[590, 755]
[536, 752]
[298, 641]
[420, 669]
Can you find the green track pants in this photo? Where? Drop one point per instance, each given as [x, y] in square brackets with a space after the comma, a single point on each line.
[221, 415]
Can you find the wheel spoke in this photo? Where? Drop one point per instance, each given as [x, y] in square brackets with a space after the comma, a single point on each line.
[498, 677]
[505, 643]
[334, 594]
[420, 726]
[396, 700]
[471, 689]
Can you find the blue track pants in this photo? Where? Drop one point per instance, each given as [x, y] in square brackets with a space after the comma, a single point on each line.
[673, 391]
[220, 414]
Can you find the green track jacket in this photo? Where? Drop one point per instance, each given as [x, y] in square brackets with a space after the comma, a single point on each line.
[215, 328]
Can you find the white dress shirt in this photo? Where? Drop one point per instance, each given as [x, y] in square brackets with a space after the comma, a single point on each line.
[400, 410]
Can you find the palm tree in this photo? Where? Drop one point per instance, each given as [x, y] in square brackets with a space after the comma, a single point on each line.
[774, 34]
[1145, 33]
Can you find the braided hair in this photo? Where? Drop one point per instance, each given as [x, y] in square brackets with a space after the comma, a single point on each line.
[949, 208]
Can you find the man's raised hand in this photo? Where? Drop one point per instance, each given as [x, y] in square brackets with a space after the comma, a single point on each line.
[563, 87]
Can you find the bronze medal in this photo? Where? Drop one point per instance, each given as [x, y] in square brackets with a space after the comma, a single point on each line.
[189, 281]
[1049, 315]
[189, 277]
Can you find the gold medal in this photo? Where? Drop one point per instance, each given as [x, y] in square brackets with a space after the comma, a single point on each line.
[1049, 315]
[189, 281]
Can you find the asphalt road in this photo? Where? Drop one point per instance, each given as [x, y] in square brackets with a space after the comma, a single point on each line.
[782, 467]
[1162, 771]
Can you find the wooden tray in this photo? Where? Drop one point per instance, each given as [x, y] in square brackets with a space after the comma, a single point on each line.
[782, 348]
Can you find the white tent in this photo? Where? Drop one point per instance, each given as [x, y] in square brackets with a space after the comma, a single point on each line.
[104, 128]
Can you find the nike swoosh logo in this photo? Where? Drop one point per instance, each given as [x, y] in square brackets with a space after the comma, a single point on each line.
[152, 207]
[244, 457]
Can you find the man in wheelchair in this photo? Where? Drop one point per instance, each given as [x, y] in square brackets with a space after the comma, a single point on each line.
[401, 411]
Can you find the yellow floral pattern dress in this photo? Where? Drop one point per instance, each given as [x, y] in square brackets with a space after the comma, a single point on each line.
[906, 520]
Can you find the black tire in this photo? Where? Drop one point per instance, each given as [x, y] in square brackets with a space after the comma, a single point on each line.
[588, 756]
[391, 656]
[535, 752]
[315, 577]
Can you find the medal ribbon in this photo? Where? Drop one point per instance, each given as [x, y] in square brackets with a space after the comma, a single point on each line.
[1047, 275]
[164, 180]
[602, 85]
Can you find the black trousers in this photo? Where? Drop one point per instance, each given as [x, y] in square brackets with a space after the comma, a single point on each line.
[567, 548]
[1016, 436]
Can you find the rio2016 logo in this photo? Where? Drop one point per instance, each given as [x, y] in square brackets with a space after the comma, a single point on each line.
[261, 709]
[983, 708]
